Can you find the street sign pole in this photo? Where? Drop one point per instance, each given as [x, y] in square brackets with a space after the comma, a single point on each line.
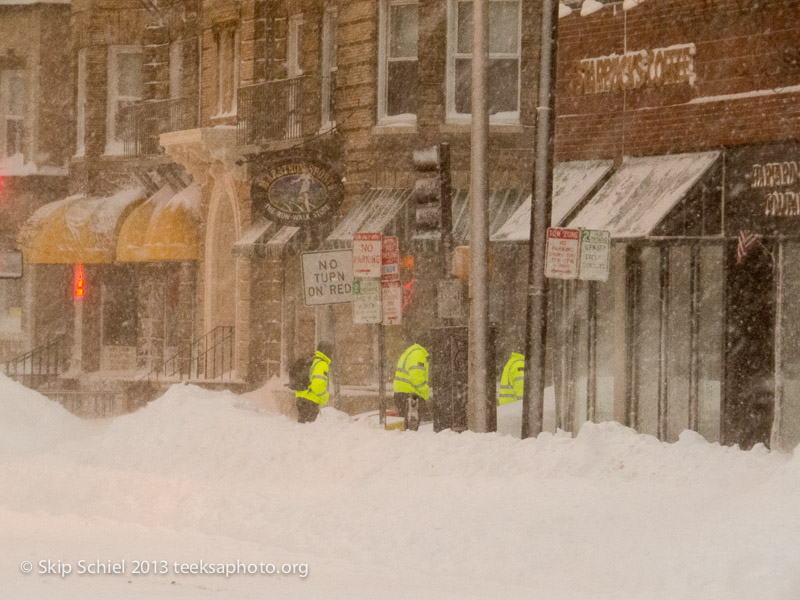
[536, 338]
[381, 374]
[479, 393]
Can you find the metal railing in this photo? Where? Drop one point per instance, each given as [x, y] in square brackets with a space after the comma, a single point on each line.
[207, 358]
[40, 365]
[270, 112]
[143, 122]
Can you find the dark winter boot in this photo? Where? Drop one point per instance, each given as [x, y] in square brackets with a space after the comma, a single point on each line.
[412, 418]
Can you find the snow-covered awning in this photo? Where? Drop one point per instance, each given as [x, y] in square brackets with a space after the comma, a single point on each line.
[268, 239]
[77, 229]
[573, 182]
[502, 204]
[162, 228]
[642, 192]
[374, 213]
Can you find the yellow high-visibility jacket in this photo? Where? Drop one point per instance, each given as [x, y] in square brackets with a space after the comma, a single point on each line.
[511, 382]
[411, 375]
[318, 374]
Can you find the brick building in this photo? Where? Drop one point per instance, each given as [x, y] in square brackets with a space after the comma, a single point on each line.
[693, 107]
[34, 127]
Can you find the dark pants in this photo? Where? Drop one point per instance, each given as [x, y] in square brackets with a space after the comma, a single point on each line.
[401, 402]
[307, 410]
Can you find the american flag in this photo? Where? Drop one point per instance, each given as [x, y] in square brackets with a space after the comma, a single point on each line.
[747, 239]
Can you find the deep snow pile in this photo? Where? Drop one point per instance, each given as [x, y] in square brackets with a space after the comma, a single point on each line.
[202, 475]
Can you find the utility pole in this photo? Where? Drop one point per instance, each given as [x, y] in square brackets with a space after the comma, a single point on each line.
[479, 391]
[536, 338]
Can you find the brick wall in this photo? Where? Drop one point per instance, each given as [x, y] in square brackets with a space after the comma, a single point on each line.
[742, 46]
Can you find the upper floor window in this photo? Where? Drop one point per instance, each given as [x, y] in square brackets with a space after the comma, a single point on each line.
[176, 70]
[124, 90]
[397, 75]
[227, 45]
[504, 60]
[80, 105]
[329, 51]
[12, 112]
[294, 47]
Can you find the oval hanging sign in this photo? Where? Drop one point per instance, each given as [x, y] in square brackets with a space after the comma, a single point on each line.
[296, 191]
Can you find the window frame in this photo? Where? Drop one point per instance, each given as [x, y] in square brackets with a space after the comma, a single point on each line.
[176, 70]
[329, 65]
[451, 116]
[80, 105]
[229, 31]
[384, 32]
[294, 46]
[6, 76]
[114, 146]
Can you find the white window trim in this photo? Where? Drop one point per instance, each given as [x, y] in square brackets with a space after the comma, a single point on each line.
[294, 48]
[176, 70]
[113, 146]
[221, 112]
[329, 27]
[5, 83]
[452, 31]
[383, 67]
[80, 108]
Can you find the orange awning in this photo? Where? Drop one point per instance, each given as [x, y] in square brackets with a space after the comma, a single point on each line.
[163, 228]
[77, 229]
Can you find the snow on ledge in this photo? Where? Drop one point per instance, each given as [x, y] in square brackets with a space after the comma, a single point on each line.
[753, 94]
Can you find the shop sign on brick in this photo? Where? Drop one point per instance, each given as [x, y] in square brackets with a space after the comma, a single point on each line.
[327, 277]
[367, 259]
[392, 296]
[366, 301]
[595, 254]
[562, 253]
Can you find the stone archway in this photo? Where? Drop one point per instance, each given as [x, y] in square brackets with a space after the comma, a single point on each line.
[221, 269]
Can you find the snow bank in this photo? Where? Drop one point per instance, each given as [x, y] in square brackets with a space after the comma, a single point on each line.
[607, 514]
[29, 422]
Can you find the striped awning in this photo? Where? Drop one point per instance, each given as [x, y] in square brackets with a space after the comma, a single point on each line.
[380, 211]
[642, 192]
[573, 183]
[272, 240]
[502, 204]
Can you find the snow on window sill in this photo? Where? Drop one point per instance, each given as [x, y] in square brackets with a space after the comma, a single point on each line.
[114, 149]
[326, 127]
[403, 123]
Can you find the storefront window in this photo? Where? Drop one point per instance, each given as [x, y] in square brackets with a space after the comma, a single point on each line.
[789, 421]
[10, 306]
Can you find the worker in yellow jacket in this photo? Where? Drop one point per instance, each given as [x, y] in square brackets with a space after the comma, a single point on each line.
[411, 388]
[315, 396]
[511, 382]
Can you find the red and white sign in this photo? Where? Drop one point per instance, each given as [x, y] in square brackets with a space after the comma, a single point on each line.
[390, 258]
[562, 253]
[392, 297]
[366, 255]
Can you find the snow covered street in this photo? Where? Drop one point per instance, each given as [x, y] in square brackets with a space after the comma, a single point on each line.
[205, 476]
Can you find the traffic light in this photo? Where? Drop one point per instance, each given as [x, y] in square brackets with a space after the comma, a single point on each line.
[433, 210]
